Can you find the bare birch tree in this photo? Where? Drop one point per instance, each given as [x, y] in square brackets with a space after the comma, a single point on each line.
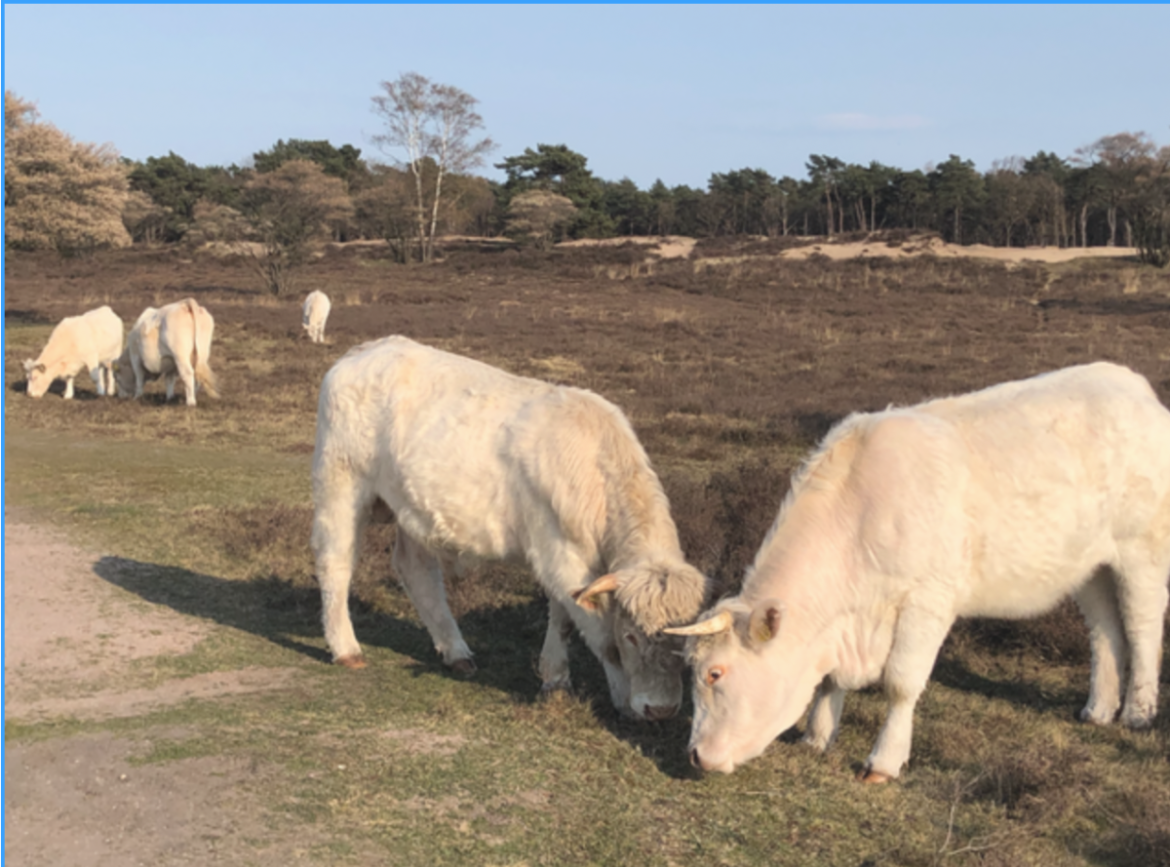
[433, 123]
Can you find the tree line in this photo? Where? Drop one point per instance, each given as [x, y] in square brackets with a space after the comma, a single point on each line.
[75, 197]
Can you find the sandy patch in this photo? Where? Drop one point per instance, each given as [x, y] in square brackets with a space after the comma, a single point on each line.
[664, 247]
[938, 247]
[235, 248]
[67, 632]
[680, 247]
[62, 622]
[83, 802]
[110, 704]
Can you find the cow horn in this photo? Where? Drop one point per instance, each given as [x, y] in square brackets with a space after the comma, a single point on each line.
[604, 584]
[721, 622]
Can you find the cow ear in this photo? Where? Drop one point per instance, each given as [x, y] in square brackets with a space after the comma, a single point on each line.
[765, 621]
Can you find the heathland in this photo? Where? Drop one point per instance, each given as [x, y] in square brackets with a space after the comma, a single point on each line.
[168, 695]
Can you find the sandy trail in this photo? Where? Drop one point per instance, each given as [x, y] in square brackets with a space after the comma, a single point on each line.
[76, 801]
[64, 625]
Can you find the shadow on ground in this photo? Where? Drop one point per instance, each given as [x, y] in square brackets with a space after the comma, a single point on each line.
[1066, 701]
[506, 640]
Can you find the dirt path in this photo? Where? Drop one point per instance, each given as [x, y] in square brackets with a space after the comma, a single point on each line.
[70, 641]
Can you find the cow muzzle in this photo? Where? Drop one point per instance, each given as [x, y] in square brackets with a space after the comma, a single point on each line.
[706, 764]
[660, 712]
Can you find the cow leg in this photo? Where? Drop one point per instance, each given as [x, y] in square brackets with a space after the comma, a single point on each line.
[111, 383]
[69, 388]
[99, 379]
[824, 717]
[338, 521]
[421, 575]
[186, 373]
[1108, 645]
[554, 656]
[917, 638]
[562, 568]
[1142, 594]
[597, 631]
[139, 376]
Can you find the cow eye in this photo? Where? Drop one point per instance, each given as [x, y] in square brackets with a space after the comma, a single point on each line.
[713, 674]
[632, 638]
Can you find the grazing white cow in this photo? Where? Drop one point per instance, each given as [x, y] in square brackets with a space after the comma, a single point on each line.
[477, 462]
[995, 504]
[171, 341]
[89, 342]
[315, 313]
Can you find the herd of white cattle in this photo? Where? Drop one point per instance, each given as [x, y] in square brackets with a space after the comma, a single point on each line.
[999, 503]
[172, 341]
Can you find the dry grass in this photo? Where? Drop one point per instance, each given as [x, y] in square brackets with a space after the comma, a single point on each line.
[729, 372]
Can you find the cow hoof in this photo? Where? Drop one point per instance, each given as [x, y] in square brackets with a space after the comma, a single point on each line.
[357, 661]
[816, 743]
[1096, 719]
[870, 776]
[553, 687]
[463, 667]
[1137, 724]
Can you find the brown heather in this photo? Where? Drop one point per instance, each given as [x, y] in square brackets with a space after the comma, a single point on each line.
[731, 365]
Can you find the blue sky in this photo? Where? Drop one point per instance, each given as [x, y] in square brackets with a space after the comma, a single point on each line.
[654, 91]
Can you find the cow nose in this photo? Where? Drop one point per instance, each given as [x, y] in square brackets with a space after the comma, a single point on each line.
[658, 713]
[695, 758]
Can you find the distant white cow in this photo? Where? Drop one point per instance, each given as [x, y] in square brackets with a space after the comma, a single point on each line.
[315, 313]
[89, 342]
[171, 341]
[477, 462]
[999, 503]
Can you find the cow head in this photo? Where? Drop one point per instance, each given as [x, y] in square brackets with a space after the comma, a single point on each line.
[38, 378]
[754, 675]
[649, 598]
[124, 376]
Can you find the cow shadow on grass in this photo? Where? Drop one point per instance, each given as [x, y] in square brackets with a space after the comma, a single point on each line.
[506, 640]
[1066, 700]
[57, 389]
[275, 610]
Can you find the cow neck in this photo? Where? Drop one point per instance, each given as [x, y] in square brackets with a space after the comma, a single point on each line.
[802, 561]
[638, 523]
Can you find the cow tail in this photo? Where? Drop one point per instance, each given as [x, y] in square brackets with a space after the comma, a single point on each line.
[203, 373]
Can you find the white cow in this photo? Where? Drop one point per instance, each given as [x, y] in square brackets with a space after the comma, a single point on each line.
[477, 462]
[171, 341]
[89, 342]
[999, 503]
[315, 313]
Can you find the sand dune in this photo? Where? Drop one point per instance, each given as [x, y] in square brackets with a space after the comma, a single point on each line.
[677, 246]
